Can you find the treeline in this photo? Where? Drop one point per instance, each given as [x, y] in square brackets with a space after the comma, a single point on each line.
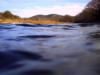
[90, 14]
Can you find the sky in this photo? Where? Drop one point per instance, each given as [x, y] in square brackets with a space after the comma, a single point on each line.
[28, 8]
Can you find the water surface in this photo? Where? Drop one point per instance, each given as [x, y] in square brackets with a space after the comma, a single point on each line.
[71, 49]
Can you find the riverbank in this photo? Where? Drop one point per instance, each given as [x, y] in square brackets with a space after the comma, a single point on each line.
[20, 21]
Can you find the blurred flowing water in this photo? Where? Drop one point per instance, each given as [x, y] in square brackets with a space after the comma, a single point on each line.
[71, 49]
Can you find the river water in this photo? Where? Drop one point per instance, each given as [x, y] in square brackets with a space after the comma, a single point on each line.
[70, 49]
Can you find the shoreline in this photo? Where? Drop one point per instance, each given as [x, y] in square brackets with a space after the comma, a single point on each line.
[34, 22]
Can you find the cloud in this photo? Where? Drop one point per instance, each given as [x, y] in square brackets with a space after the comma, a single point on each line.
[68, 8]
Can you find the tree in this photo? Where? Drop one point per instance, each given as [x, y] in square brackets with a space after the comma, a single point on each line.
[91, 13]
[9, 15]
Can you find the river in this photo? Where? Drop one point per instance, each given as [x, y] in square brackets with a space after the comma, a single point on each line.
[70, 49]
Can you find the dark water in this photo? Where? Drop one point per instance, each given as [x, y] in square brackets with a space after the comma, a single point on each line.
[71, 49]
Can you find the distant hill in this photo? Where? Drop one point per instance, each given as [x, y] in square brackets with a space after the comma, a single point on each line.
[47, 17]
[67, 18]
[91, 13]
[37, 17]
[54, 17]
[8, 15]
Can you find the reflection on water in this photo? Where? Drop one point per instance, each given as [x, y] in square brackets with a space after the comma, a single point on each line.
[50, 49]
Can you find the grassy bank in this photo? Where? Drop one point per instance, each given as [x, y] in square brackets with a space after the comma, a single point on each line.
[12, 21]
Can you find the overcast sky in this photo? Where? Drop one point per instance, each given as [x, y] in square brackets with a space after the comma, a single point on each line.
[27, 8]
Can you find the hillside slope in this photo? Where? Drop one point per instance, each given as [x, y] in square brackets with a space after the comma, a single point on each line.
[91, 13]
